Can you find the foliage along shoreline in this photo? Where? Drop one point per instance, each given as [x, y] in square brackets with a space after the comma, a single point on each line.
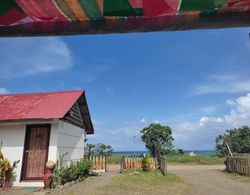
[136, 153]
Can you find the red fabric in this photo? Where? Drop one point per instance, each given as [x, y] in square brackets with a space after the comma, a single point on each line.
[41, 9]
[37, 106]
[136, 3]
[239, 5]
[11, 16]
[157, 8]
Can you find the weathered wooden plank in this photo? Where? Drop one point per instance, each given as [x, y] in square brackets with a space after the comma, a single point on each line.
[238, 164]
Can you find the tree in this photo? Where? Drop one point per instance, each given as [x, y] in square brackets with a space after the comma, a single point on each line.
[104, 150]
[90, 149]
[181, 151]
[158, 139]
[99, 149]
[238, 140]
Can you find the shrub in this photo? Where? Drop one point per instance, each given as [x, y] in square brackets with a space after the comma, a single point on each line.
[6, 170]
[146, 163]
[75, 172]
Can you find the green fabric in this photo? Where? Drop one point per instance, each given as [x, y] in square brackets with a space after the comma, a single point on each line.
[220, 3]
[139, 11]
[91, 9]
[197, 5]
[118, 8]
[6, 5]
[62, 4]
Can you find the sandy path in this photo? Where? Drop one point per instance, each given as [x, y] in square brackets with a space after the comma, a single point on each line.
[209, 180]
[90, 184]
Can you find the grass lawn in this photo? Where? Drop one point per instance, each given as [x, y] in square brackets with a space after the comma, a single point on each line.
[199, 160]
[236, 176]
[152, 182]
[114, 159]
[180, 159]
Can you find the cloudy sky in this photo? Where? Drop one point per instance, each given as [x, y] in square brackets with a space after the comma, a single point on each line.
[196, 82]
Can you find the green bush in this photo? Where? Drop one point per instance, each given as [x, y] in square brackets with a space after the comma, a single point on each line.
[75, 172]
[146, 163]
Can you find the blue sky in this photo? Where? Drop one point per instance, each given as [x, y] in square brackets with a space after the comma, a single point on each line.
[197, 82]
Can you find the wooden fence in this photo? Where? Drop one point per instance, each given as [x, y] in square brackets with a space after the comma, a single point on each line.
[99, 162]
[163, 165]
[134, 163]
[238, 164]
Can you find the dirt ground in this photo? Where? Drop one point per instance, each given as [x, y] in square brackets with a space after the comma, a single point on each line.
[210, 180]
[90, 184]
[204, 179]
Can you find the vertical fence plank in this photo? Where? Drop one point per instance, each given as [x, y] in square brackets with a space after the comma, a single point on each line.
[133, 163]
[239, 165]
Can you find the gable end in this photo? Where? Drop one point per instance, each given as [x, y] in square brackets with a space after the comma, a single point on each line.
[74, 116]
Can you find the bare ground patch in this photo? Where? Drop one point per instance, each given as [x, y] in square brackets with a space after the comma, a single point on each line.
[209, 180]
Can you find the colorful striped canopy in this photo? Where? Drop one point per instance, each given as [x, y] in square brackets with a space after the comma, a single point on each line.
[62, 17]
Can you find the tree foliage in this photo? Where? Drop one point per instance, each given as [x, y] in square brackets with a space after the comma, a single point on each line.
[238, 140]
[99, 149]
[157, 138]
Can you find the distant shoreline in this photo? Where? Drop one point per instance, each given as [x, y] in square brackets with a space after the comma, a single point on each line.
[136, 153]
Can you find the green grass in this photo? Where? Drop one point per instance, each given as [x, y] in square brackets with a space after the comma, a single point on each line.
[236, 176]
[199, 160]
[114, 159]
[180, 159]
[152, 182]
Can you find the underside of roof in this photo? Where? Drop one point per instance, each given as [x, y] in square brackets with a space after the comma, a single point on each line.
[63, 17]
[53, 105]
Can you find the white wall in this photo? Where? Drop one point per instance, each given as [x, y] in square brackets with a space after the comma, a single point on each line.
[64, 138]
[71, 141]
[12, 138]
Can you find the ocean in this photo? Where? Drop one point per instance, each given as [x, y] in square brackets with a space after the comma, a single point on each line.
[137, 153]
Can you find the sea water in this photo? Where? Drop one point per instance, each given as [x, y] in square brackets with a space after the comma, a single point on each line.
[137, 153]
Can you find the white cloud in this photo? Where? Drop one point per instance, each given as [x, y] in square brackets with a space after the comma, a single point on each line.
[230, 102]
[209, 109]
[22, 57]
[198, 134]
[143, 120]
[222, 77]
[3, 91]
[222, 84]
[202, 133]
[124, 138]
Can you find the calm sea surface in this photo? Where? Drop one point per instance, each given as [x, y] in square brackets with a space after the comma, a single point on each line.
[136, 153]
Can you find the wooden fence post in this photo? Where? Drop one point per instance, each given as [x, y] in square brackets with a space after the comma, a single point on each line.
[163, 165]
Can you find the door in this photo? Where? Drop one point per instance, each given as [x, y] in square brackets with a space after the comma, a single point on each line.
[35, 151]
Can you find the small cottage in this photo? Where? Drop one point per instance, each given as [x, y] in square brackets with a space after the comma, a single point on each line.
[38, 127]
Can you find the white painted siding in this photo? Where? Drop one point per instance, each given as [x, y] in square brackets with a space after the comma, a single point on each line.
[64, 138]
[71, 141]
[12, 138]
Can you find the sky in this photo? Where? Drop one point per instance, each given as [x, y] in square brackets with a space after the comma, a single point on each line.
[196, 82]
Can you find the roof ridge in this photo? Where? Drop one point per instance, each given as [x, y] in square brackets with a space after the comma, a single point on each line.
[43, 93]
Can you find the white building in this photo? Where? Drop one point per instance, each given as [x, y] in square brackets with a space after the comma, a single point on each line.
[35, 128]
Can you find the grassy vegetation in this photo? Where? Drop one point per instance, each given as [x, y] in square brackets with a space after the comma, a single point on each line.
[152, 182]
[114, 159]
[236, 176]
[181, 159]
[202, 160]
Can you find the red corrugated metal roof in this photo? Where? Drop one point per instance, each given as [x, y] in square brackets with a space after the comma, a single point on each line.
[37, 105]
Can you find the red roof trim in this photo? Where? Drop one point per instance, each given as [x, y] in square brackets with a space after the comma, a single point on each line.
[42, 93]
[30, 106]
